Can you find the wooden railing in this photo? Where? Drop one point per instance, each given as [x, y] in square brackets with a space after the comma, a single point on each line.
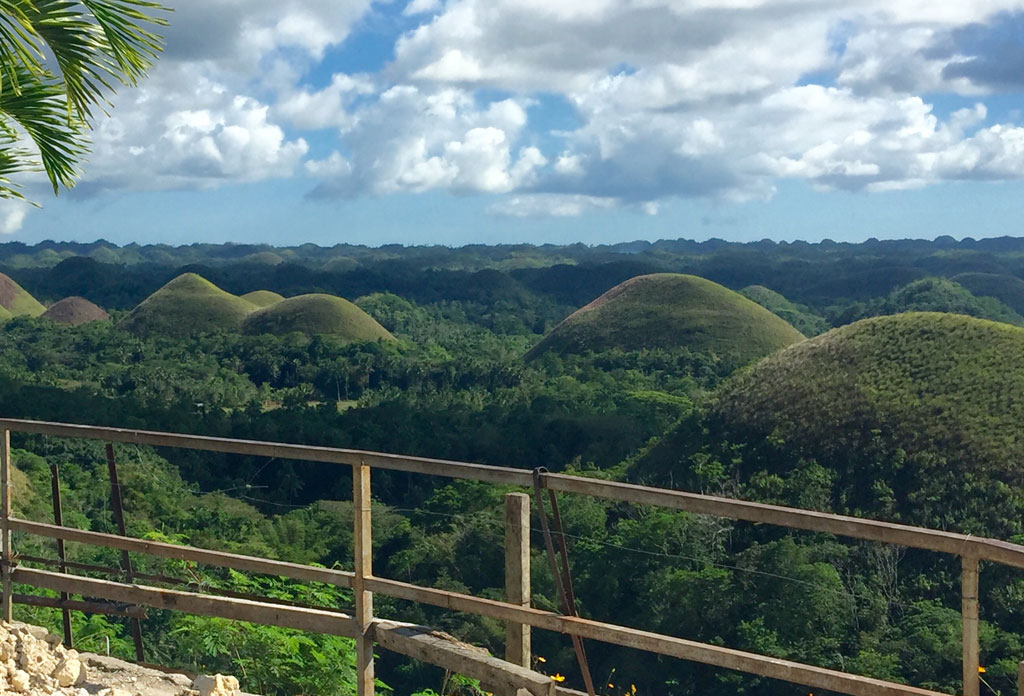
[504, 677]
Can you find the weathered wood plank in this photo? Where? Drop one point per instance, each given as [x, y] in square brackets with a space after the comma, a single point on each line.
[6, 551]
[840, 525]
[105, 608]
[517, 575]
[681, 648]
[187, 553]
[969, 616]
[315, 620]
[363, 563]
[330, 455]
[422, 643]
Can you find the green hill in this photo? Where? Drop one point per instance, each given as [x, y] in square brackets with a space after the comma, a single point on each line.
[188, 304]
[316, 314]
[262, 298]
[16, 300]
[1006, 288]
[671, 310]
[930, 295]
[915, 417]
[803, 319]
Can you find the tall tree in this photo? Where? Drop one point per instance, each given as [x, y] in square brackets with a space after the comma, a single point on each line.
[59, 61]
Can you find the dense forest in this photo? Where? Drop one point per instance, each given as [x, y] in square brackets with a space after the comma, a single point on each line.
[881, 379]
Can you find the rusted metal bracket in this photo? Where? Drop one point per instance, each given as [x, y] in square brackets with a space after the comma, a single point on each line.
[563, 579]
[126, 560]
[58, 519]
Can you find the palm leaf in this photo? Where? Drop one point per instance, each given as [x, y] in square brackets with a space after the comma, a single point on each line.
[40, 108]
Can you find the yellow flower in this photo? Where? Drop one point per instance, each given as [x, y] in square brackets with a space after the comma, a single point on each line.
[557, 677]
[610, 685]
[981, 670]
[632, 688]
[540, 659]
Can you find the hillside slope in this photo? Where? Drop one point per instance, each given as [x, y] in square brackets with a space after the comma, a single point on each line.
[74, 311]
[16, 300]
[316, 314]
[918, 412]
[188, 304]
[671, 310]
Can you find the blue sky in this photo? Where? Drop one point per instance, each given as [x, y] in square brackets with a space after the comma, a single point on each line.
[468, 121]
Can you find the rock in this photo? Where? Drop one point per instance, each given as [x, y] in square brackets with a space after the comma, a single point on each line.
[70, 672]
[215, 685]
[53, 639]
[20, 681]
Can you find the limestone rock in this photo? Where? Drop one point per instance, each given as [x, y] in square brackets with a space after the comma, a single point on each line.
[216, 685]
[69, 672]
[20, 681]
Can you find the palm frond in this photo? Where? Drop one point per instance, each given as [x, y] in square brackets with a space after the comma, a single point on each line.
[40, 108]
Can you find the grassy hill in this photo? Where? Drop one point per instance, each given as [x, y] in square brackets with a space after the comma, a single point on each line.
[75, 311]
[671, 310]
[803, 320]
[262, 298]
[16, 300]
[915, 417]
[930, 295]
[1006, 288]
[316, 314]
[188, 304]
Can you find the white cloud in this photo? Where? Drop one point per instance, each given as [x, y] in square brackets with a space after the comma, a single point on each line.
[12, 214]
[549, 205]
[159, 139]
[714, 98]
[415, 140]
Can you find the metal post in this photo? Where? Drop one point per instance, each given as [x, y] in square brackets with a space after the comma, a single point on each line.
[517, 574]
[969, 612]
[126, 560]
[6, 562]
[58, 519]
[363, 537]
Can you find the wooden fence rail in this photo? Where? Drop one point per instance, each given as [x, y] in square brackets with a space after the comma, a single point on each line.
[516, 612]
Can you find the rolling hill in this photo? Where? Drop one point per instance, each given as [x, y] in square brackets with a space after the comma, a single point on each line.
[16, 300]
[671, 310]
[262, 298]
[188, 304]
[74, 311]
[917, 412]
[803, 320]
[1006, 288]
[316, 314]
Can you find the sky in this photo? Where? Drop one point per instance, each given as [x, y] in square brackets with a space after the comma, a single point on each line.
[558, 121]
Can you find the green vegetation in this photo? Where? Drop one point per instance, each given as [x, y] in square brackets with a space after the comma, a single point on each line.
[941, 394]
[668, 310]
[316, 314]
[930, 295]
[1006, 288]
[188, 304]
[262, 298]
[16, 300]
[910, 417]
[59, 61]
[802, 319]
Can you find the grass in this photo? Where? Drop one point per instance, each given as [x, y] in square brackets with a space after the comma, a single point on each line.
[262, 298]
[1007, 289]
[942, 385]
[16, 300]
[188, 304]
[670, 310]
[316, 314]
[803, 320]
